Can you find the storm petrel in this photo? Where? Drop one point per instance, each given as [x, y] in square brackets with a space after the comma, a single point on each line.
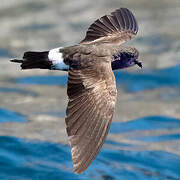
[91, 83]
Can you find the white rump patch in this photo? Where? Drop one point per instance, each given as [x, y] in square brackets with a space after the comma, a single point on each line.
[57, 59]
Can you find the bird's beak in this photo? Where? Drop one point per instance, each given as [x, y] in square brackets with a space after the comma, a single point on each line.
[138, 63]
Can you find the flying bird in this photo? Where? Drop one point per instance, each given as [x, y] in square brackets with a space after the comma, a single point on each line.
[91, 86]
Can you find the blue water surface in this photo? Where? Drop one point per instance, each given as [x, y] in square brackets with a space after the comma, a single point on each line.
[18, 91]
[43, 80]
[7, 115]
[61, 114]
[148, 80]
[4, 52]
[131, 82]
[35, 27]
[33, 160]
[149, 123]
[145, 123]
[166, 137]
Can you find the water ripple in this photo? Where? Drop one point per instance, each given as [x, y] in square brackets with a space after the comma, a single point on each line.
[18, 91]
[10, 116]
[145, 123]
[43, 80]
[166, 137]
[131, 82]
[147, 80]
[22, 159]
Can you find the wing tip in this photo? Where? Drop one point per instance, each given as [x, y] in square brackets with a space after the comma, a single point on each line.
[77, 170]
[122, 19]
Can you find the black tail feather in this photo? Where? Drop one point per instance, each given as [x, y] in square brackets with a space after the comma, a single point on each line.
[35, 55]
[16, 60]
[32, 60]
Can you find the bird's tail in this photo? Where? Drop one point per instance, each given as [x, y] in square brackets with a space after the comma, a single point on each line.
[33, 60]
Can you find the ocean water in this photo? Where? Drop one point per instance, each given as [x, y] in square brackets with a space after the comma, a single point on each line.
[23, 159]
[17, 91]
[145, 123]
[131, 82]
[28, 159]
[43, 80]
[7, 115]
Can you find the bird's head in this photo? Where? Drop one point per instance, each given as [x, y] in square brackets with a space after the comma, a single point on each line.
[125, 59]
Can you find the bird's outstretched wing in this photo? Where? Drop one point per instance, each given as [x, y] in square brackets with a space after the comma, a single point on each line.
[118, 27]
[92, 97]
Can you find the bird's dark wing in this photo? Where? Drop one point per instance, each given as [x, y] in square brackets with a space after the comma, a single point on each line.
[118, 27]
[92, 97]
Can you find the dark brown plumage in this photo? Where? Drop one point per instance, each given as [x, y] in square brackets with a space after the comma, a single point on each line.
[118, 27]
[92, 97]
[91, 83]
